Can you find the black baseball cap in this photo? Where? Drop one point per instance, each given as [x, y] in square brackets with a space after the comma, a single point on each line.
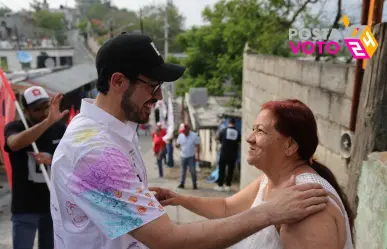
[133, 54]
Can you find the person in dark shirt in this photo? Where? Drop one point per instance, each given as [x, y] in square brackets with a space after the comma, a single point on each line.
[30, 205]
[229, 138]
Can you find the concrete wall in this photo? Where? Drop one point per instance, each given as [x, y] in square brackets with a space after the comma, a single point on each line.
[14, 64]
[93, 45]
[208, 145]
[325, 88]
[371, 221]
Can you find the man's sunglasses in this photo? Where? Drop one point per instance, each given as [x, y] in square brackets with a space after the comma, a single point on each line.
[155, 87]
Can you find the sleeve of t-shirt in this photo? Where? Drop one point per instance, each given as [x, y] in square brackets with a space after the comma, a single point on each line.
[178, 141]
[10, 129]
[197, 139]
[107, 187]
[62, 128]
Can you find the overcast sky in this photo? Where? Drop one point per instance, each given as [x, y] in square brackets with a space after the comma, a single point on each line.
[191, 9]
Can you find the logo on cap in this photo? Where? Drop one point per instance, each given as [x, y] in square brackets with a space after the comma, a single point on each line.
[154, 47]
[36, 92]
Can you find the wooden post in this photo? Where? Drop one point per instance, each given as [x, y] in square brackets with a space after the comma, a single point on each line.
[182, 115]
[371, 128]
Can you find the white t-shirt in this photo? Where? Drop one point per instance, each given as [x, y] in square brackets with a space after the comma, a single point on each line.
[99, 189]
[188, 144]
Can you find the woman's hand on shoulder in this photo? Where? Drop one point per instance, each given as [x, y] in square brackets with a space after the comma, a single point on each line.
[166, 197]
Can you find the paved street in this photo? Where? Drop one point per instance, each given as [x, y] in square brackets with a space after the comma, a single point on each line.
[81, 53]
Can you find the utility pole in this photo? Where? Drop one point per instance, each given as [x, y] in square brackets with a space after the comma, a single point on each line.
[111, 28]
[370, 135]
[17, 38]
[141, 22]
[166, 29]
[359, 72]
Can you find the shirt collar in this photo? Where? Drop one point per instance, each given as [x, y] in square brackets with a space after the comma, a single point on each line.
[126, 130]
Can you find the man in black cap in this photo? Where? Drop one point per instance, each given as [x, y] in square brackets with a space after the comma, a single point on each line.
[100, 196]
[30, 195]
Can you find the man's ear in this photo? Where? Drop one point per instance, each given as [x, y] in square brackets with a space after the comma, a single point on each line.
[291, 147]
[117, 82]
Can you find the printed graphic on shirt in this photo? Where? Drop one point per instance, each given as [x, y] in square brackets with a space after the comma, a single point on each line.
[78, 217]
[110, 194]
[84, 135]
[134, 245]
[56, 141]
[231, 134]
[35, 174]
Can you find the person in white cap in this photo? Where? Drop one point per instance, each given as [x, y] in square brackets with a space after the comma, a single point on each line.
[30, 195]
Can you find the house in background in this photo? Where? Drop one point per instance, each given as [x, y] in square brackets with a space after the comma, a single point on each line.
[18, 33]
[75, 83]
[205, 113]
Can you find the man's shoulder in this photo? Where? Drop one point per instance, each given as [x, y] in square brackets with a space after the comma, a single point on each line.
[59, 126]
[81, 147]
[15, 124]
[85, 134]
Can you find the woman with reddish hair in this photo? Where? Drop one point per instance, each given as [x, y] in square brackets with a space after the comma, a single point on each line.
[282, 143]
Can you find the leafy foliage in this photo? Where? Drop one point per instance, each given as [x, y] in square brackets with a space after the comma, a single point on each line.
[52, 22]
[119, 20]
[49, 20]
[153, 24]
[215, 51]
[4, 10]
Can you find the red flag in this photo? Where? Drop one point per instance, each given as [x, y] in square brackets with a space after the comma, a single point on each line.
[7, 105]
[71, 115]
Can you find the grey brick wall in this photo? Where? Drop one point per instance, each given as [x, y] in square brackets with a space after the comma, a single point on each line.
[325, 88]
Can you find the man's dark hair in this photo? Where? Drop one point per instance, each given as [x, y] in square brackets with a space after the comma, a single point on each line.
[231, 121]
[104, 80]
[103, 84]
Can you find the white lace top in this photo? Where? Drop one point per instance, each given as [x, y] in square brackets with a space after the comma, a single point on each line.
[269, 238]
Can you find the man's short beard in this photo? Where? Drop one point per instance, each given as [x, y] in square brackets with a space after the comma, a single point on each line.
[131, 111]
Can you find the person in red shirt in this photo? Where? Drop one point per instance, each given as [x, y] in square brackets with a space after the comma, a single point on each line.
[163, 132]
[158, 148]
[159, 127]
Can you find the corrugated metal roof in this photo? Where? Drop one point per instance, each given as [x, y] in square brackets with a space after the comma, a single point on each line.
[66, 80]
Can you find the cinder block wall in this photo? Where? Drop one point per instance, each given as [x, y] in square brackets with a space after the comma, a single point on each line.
[325, 88]
[371, 220]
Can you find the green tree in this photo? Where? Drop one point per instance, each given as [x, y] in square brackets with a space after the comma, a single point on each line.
[98, 11]
[52, 22]
[84, 5]
[152, 17]
[49, 20]
[153, 23]
[82, 25]
[215, 51]
[4, 10]
[36, 5]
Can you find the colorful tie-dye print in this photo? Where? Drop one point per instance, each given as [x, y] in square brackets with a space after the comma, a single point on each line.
[107, 189]
[99, 186]
[84, 135]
